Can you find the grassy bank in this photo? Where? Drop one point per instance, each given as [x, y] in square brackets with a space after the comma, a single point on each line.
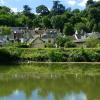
[48, 70]
[50, 55]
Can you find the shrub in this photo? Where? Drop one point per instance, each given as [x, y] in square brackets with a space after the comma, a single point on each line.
[23, 46]
[76, 56]
[49, 54]
[70, 44]
[6, 57]
[49, 45]
[55, 56]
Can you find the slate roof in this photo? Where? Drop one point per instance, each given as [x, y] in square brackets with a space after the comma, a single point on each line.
[83, 37]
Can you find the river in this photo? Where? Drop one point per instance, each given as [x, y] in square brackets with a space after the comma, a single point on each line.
[69, 88]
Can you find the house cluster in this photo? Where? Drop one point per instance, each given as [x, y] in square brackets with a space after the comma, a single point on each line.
[81, 37]
[38, 37]
[34, 37]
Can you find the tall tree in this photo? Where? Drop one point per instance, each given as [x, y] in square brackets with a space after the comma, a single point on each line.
[68, 29]
[81, 27]
[58, 8]
[27, 12]
[4, 30]
[89, 3]
[46, 22]
[42, 9]
[4, 10]
[57, 22]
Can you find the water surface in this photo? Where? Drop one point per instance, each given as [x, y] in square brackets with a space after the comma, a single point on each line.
[69, 88]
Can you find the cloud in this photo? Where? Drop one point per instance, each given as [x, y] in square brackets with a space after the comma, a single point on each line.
[78, 3]
[14, 10]
[83, 3]
[72, 2]
[2, 2]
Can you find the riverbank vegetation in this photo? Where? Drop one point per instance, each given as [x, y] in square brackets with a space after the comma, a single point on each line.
[50, 55]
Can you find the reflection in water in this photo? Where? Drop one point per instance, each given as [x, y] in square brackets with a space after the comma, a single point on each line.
[18, 95]
[74, 96]
[71, 88]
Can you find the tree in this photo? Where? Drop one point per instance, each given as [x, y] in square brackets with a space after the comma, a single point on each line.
[58, 8]
[68, 29]
[81, 26]
[76, 11]
[46, 22]
[60, 41]
[95, 27]
[92, 41]
[57, 22]
[69, 42]
[27, 12]
[75, 19]
[63, 41]
[42, 9]
[37, 22]
[61, 8]
[23, 21]
[4, 30]
[94, 14]
[98, 27]
[89, 3]
[7, 19]
[4, 10]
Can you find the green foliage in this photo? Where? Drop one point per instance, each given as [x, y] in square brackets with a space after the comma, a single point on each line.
[68, 29]
[83, 55]
[46, 22]
[4, 30]
[6, 57]
[42, 9]
[98, 27]
[70, 44]
[49, 45]
[57, 8]
[89, 3]
[57, 22]
[53, 55]
[37, 22]
[61, 40]
[65, 41]
[22, 45]
[87, 20]
[81, 26]
[92, 42]
[27, 12]
[7, 20]
[4, 10]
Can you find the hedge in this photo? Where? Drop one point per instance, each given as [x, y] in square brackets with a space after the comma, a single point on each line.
[50, 54]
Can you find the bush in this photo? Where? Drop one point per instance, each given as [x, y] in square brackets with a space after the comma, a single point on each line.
[49, 54]
[83, 55]
[23, 46]
[6, 57]
[49, 45]
[55, 56]
[76, 56]
[70, 44]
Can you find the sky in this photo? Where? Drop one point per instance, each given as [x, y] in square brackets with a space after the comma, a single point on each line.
[17, 5]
